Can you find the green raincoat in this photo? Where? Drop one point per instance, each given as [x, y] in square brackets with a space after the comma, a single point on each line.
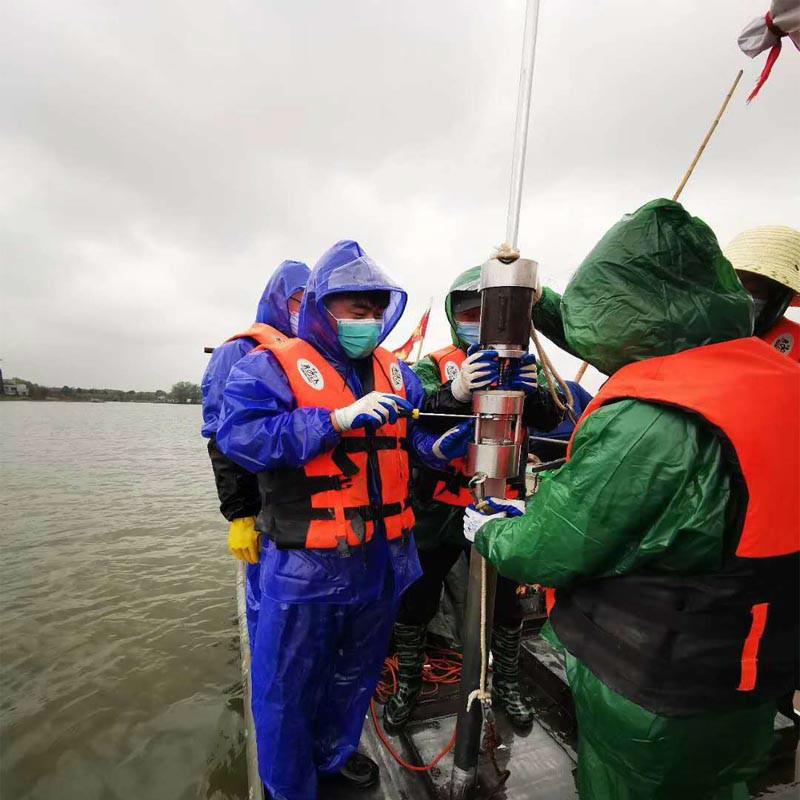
[440, 524]
[646, 489]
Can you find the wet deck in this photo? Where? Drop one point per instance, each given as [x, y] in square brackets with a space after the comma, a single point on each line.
[541, 762]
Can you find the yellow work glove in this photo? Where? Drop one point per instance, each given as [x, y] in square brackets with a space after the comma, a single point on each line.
[243, 539]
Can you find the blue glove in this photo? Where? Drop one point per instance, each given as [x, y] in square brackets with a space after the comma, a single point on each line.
[512, 508]
[453, 442]
[523, 375]
[371, 411]
[480, 369]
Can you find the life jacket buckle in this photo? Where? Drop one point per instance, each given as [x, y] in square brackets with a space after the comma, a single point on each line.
[342, 547]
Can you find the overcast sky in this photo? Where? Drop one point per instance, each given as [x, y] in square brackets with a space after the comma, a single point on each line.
[159, 158]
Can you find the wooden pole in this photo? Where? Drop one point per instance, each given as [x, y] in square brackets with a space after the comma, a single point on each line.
[709, 134]
[688, 173]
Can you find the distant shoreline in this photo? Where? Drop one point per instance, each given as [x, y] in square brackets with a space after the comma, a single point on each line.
[12, 398]
[181, 393]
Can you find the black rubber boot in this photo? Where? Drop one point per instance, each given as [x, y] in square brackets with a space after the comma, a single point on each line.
[410, 643]
[360, 772]
[506, 692]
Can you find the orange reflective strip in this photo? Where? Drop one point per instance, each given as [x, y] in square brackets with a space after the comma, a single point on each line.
[750, 649]
[549, 600]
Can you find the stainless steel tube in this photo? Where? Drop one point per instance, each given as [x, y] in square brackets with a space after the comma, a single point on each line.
[523, 117]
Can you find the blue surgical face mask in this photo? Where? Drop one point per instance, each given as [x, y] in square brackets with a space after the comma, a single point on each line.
[469, 332]
[359, 337]
[294, 322]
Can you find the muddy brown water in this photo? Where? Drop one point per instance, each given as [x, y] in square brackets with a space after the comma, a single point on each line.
[119, 666]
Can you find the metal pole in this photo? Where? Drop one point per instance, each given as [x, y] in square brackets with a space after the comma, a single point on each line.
[469, 724]
[523, 117]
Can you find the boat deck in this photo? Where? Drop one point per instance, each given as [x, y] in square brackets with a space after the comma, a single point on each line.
[541, 762]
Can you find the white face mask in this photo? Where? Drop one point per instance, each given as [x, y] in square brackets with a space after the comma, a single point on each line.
[294, 322]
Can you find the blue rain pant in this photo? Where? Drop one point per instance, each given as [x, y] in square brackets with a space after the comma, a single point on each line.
[315, 668]
[252, 588]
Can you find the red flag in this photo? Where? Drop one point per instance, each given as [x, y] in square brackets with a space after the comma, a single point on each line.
[403, 353]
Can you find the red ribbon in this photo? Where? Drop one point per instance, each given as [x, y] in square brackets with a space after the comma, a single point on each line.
[771, 58]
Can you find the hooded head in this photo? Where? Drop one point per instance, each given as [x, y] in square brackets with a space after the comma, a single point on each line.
[767, 260]
[464, 289]
[344, 268]
[273, 308]
[656, 284]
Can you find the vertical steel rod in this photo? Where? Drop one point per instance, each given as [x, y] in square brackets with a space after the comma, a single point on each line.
[523, 117]
[469, 724]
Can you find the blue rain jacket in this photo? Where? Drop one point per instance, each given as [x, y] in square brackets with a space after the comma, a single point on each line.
[581, 398]
[273, 309]
[548, 451]
[315, 668]
[261, 429]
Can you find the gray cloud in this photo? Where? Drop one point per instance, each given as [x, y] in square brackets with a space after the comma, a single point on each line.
[159, 158]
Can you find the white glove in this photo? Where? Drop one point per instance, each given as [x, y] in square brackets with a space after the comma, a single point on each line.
[477, 371]
[474, 520]
[372, 410]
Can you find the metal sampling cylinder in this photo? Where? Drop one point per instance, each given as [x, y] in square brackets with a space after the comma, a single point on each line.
[507, 291]
[506, 299]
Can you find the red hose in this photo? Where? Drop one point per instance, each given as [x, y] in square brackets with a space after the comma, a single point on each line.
[442, 670]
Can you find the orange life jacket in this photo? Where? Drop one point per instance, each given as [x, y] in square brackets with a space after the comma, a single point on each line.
[262, 333]
[784, 336]
[326, 503]
[683, 644]
[454, 491]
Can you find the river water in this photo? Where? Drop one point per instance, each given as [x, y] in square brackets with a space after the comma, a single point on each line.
[119, 668]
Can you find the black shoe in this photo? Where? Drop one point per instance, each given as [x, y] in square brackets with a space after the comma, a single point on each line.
[360, 772]
[506, 692]
[410, 643]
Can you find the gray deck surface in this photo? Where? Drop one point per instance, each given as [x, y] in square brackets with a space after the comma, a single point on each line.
[541, 762]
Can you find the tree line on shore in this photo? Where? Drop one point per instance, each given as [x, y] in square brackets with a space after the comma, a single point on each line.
[181, 392]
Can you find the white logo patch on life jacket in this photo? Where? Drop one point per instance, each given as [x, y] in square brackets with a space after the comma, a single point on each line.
[451, 370]
[784, 343]
[396, 376]
[310, 374]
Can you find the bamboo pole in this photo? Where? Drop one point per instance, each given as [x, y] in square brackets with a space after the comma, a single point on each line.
[688, 173]
[709, 134]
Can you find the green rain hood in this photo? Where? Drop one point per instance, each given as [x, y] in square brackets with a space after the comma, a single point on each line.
[657, 283]
[468, 281]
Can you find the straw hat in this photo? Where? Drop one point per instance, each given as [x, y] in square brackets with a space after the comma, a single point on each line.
[773, 251]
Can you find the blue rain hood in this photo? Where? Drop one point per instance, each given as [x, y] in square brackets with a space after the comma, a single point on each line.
[273, 309]
[345, 267]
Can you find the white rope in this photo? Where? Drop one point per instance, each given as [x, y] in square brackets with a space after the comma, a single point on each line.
[552, 377]
[480, 693]
[506, 253]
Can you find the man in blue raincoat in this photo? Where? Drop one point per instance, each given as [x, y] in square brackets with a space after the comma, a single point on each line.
[277, 313]
[320, 419]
